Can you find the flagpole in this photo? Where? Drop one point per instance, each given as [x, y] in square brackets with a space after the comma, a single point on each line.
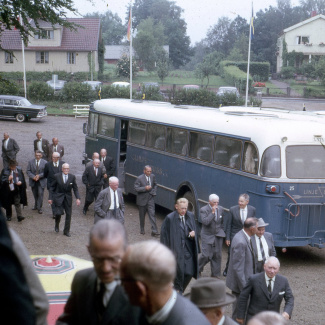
[249, 57]
[131, 49]
[23, 56]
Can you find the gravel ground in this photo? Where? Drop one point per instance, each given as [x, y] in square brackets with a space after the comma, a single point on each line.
[304, 266]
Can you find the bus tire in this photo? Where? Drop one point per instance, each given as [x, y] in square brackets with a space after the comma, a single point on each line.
[191, 202]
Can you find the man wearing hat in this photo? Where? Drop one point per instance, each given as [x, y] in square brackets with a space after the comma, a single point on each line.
[209, 295]
[263, 245]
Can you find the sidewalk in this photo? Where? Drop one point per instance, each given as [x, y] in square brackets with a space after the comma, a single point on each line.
[281, 84]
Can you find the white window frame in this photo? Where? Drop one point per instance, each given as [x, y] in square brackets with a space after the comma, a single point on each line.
[42, 57]
[44, 34]
[71, 57]
[9, 58]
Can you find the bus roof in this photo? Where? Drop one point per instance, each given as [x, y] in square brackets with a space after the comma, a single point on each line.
[267, 126]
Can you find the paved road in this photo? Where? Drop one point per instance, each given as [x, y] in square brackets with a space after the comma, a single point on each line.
[295, 104]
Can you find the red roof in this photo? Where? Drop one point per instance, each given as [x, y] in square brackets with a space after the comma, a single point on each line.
[81, 39]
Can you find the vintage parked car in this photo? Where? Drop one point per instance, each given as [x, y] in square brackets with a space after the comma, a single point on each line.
[56, 84]
[228, 90]
[20, 108]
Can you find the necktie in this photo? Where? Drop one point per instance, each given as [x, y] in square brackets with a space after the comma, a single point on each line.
[148, 180]
[183, 221]
[65, 179]
[55, 149]
[100, 300]
[115, 206]
[252, 250]
[242, 216]
[262, 249]
[269, 287]
[37, 167]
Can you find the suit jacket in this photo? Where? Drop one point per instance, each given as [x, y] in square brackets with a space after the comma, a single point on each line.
[109, 166]
[211, 228]
[143, 196]
[103, 203]
[270, 243]
[80, 307]
[60, 150]
[101, 165]
[50, 171]
[241, 262]
[45, 147]
[12, 149]
[260, 299]
[234, 223]
[31, 172]
[170, 236]
[60, 190]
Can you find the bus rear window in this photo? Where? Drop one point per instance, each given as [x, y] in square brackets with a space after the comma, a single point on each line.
[305, 161]
[271, 162]
[137, 132]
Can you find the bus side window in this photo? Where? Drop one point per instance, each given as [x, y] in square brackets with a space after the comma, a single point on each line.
[137, 132]
[93, 125]
[271, 162]
[250, 158]
[227, 152]
[156, 136]
[201, 146]
[176, 141]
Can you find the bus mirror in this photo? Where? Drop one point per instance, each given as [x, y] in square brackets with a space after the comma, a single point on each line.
[85, 128]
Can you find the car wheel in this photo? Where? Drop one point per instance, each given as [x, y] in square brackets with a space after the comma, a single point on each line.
[20, 118]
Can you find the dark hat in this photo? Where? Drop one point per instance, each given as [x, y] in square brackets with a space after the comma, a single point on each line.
[261, 223]
[210, 292]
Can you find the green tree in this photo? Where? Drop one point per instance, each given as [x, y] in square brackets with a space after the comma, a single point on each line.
[53, 11]
[310, 6]
[320, 70]
[113, 31]
[123, 67]
[148, 42]
[169, 15]
[208, 67]
[162, 65]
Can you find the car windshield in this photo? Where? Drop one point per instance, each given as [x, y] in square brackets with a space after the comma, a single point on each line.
[305, 161]
[24, 102]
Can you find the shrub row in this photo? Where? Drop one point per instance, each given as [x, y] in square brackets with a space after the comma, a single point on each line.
[235, 77]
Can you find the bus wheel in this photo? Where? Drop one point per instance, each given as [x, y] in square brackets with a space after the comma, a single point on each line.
[191, 202]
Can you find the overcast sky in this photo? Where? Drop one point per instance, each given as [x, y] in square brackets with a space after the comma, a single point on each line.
[198, 14]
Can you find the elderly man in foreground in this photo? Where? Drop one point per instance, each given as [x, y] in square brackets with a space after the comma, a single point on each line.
[148, 270]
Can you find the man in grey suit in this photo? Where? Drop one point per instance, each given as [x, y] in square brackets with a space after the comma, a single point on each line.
[56, 147]
[211, 297]
[96, 294]
[37, 181]
[146, 188]
[10, 149]
[212, 235]
[242, 263]
[41, 145]
[265, 291]
[147, 273]
[263, 245]
[235, 221]
[110, 202]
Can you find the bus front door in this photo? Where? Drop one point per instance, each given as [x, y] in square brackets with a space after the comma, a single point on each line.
[122, 152]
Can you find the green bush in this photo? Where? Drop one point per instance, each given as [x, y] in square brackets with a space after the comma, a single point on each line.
[314, 92]
[288, 72]
[77, 92]
[151, 93]
[40, 91]
[235, 77]
[8, 87]
[115, 92]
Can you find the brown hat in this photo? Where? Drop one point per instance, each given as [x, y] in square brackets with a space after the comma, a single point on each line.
[210, 292]
[261, 223]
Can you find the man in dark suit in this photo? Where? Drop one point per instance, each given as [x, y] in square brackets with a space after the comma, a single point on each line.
[147, 273]
[110, 203]
[242, 263]
[93, 178]
[10, 149]
[51, 168]
[60, 196]
[108, 162]
[13, 190]
[235, 221]
[146, 188]
[265, 291]
[178, 233]
[210, 296]
[56, 147]
[263, 245]
[96, 295]
[37, 181]
[41, 145]
[212, 235]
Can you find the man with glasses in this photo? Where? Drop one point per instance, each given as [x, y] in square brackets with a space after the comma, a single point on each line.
[96, 295]
[212, 235]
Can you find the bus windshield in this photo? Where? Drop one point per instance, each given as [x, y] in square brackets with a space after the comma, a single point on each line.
[305, 161]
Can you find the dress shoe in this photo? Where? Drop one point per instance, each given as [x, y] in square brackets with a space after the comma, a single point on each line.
[67, 234]
[8, 218]
[53, 216]
[84, 211]
[155, 234]
[56, 228]
[40, 211]
[224, 273]
[20, 219]
[142, 232]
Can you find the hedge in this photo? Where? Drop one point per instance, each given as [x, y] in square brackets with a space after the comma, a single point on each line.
[235, 77]
[260, 70]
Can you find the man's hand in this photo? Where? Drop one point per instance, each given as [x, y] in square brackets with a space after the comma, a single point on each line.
[10, 178]
[239, 321]
[192, 234]
[228, 242]
[285, 315]
[50, 202]
[105, 175]
[78, 202]
[19, 183]
[214, 208]
[148, 188]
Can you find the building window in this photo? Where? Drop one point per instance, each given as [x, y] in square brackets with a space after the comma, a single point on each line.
[302, 39]
[71, 57]
[44, 34]
[42, 57]
[9, 57]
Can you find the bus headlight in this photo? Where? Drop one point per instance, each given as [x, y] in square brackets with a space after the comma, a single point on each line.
[274, 189]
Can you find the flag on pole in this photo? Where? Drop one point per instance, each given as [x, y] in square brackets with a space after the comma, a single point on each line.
[129, 27]
[252, 24]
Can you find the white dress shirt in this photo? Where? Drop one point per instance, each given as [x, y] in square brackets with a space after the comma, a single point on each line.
[110, 287]
[265, 247]
[111, 207]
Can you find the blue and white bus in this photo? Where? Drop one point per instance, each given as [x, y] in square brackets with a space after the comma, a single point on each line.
[277, 157]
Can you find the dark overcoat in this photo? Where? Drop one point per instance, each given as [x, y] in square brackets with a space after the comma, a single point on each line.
[93, 183]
